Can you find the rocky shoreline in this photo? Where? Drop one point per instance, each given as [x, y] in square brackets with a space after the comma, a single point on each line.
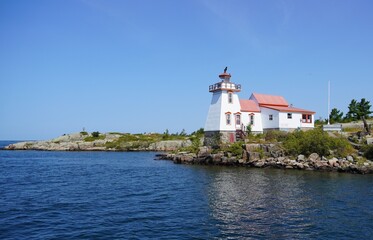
[253, 155]
[78, 142]
[270, 157]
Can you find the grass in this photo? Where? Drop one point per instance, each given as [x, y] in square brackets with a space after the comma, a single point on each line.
[129, 141]
[92, 138]
[352, 130]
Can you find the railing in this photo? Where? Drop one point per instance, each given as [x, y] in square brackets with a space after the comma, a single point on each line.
[240, 134]
[224, 85]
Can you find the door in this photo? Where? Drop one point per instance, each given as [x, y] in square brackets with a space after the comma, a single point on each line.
[231, 137]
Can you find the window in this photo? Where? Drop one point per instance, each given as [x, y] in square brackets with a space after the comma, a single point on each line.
[270, 117]
[306, 118]
[238, 119]
[228, 118]
[290, 116]
[230, 97]
[251, 119]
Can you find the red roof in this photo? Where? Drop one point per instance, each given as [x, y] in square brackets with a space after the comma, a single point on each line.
[271, 100]
[249, 106]
[289, 109]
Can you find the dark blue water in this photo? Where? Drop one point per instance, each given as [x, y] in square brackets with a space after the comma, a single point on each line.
[103, 195]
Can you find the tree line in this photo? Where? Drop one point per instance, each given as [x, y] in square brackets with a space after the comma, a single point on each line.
[357, 110]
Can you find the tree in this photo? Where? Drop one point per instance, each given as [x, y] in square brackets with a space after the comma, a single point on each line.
[352, 111]
[359, 111]
[95, 134]
[335, 116]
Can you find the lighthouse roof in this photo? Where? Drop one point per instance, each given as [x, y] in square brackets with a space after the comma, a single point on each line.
[224, 75]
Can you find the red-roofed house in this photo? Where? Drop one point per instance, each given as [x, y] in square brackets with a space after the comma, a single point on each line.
[230, 116]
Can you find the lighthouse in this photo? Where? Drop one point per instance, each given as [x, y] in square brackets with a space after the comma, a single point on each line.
[224, 115]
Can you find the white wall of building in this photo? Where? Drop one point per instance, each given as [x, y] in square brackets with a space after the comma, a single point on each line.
[213, 115]
[216, 118]
[220, 105]
[290, 123]
[257, 126]
[294, 122]
[309, 125]
[270, 124]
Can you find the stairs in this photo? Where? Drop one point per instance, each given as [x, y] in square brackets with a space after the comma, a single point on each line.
[240, 135]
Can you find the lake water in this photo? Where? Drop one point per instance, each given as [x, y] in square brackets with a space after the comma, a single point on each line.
[128, 195]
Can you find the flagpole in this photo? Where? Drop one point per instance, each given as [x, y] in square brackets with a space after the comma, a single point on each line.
[329, 102]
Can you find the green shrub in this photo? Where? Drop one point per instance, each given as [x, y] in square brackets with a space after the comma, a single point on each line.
[95, 134]
[316, 141]
[340, 146]
[83, 133]
[368, 151]
[234, 148]
[275, 135]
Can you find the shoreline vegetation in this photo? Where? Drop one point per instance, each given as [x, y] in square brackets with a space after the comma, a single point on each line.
[305, 150]
[112, 141]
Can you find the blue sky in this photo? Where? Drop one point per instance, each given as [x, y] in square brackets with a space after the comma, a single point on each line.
[145, 66]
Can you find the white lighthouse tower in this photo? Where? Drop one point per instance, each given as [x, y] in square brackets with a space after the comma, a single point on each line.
[224, 115]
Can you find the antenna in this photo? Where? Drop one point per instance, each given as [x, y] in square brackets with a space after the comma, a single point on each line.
[329, 102]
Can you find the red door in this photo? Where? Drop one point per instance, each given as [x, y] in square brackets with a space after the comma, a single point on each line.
[231, 137]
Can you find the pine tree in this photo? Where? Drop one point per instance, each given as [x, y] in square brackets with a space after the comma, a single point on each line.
[359, 111]
[335, 116]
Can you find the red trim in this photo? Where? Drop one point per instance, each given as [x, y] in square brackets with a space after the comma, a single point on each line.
[307, 119]
[290, 109]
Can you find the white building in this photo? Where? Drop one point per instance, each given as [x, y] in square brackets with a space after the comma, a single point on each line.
[230, 116]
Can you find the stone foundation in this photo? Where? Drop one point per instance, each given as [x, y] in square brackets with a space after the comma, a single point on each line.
[212, 138]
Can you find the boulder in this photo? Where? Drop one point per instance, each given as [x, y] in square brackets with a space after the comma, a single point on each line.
[300, 165]
[252, 147]
[259, 164]
[253, 156]
[350, 158]
[333, 162]
[314, 157]
[204, 151]
[300, 158]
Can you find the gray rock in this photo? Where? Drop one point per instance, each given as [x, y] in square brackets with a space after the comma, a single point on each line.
[253, 156]
[259, 164]
[314, 157]
[350, 158]
[204, 151]
[252, 147]
[170, 145]
[333, 162]
[300, 158]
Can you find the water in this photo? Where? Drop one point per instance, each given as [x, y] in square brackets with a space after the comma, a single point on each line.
[112, 195]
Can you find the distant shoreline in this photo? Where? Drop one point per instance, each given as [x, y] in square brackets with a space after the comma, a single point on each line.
[108, 142]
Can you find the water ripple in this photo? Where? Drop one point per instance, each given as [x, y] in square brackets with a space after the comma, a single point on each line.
[59, 195]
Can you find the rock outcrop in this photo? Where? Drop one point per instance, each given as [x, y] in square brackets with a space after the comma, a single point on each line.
[79, 142]
[270, 156]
